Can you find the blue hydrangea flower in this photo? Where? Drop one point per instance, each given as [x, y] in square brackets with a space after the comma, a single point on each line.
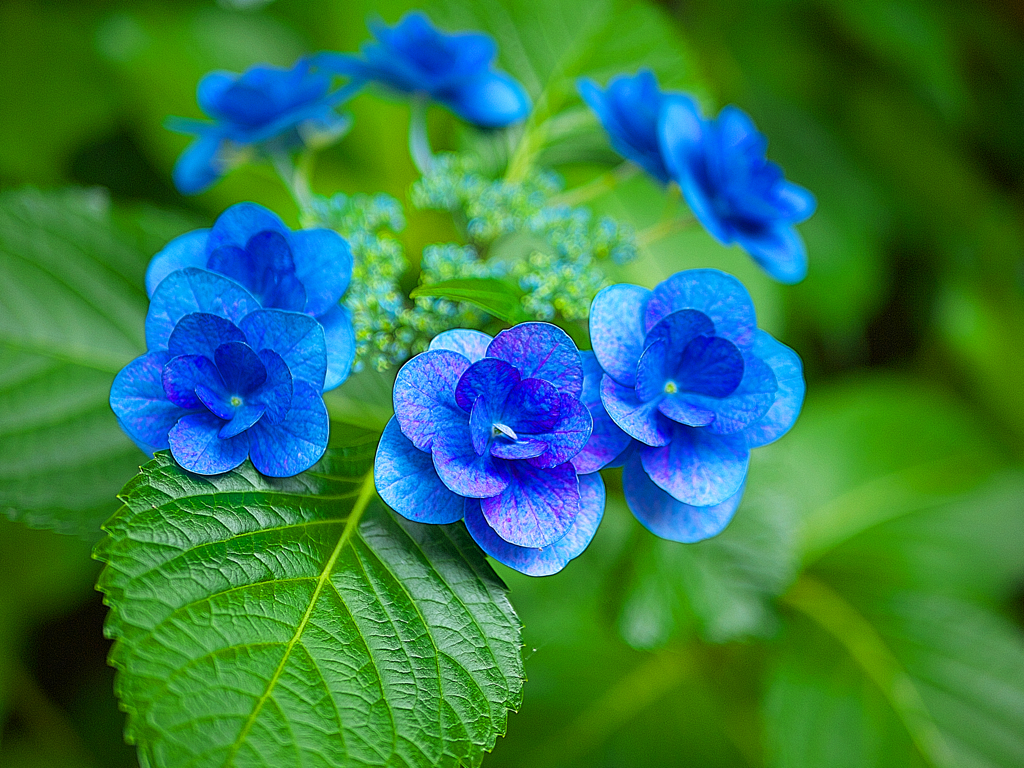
[690, 378]
[264, 106]
[456, 70]
[733, 190]
[490, 431]
[225, 379]
[303, 271]
[628, 109]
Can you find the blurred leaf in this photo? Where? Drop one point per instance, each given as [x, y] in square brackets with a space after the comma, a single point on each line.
[71, 315]
[288, 622]
[495, 297]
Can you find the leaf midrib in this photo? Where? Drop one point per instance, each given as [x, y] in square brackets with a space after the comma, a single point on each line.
[365, 495]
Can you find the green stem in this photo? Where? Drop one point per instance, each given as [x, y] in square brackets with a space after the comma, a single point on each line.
[661, 229]
[598, 186]
[295, 178]
[868, 649]
[419, 140]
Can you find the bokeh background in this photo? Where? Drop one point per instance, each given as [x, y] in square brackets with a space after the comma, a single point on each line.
[881, 543]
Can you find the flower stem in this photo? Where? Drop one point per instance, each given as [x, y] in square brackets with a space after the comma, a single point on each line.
[598, 186]
[296, 177]
[664, 228]
[419, 141]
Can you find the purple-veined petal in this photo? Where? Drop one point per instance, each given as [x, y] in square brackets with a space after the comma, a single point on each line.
[617, 330]
[567, 436]
[532, 407]
[188, 250]
[140, 404]
[340, 337]
[424, 396]
[537, 507]
[323, 262]
[748, 402]
[779, 250]
[296, 337]
[541, 351]
[698, 467]
[719, 296]
[489, 378]
[470, 344]
[481, 426]
[196, 445]
[244, 417]
[184, 373]
[194, 290]
[298, 441]
[520, 448]
[240, 222]
[679, 408]
[636, 418]
[607, 440]
[789, 374]
[406, 480]
[462, 469]
[544, 561]
[275, 394]
[669, 518]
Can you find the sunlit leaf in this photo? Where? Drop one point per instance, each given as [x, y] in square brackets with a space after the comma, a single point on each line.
[495, 297]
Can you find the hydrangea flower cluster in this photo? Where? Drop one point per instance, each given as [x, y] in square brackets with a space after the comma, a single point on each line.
[493, 432]
[695, 384]
[734, 191]
[263, 109]
[456, 70]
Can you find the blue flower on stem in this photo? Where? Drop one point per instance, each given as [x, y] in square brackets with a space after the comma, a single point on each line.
[225, 380]
[457, 70]
[733, 190]
[303, 271]
[688, 376]
[264, 107]
[490, 431]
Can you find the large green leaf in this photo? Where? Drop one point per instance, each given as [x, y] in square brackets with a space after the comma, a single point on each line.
[71, 315]
[296, 622]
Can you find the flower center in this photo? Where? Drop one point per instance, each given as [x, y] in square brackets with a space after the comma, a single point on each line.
[671, 388]
[235, 401]
[498, 430]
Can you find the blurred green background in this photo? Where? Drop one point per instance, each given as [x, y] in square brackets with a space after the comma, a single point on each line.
[865, 607]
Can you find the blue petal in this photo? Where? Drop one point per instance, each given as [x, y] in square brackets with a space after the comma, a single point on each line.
[183, 373]
[194, 290]
[216, 399]
[462, 469]
[470, 344]
[424, 396]
[537, 508]
[567, 436]
[798, 202]
[532, 407]
[680, 328]
[521, 448]
[481, 426]
[682, 410]
[748, 403]
[296, 337]
[140, 404]
[541, 351]
[606, 440]
[698, 467]
[188, 250]
[489, 378]
[788, 370]
[668, 518]
[654, 370]
[197, 447]
[636, 418]
[544, 561]
[276, 392]
[240, 222]
[406, 480]
[617, 331]
[340, 337]
[212, 88]
[297, 442]
[710, 366]
[200, 165]
[323, 262]
[493, 99]
[200, 333]
[265, 268]
[780, 252]
[719, 296]
[240, 367]
[244, 417]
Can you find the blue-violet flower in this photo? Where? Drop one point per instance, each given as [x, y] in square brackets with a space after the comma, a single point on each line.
[490, 431]
[457, 70]
[303, 271]
[264, 107]
[225, 379]
[688, 375]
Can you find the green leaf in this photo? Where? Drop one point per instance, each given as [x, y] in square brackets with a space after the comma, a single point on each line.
[296, 622]
[494, 296]
[72, 312]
